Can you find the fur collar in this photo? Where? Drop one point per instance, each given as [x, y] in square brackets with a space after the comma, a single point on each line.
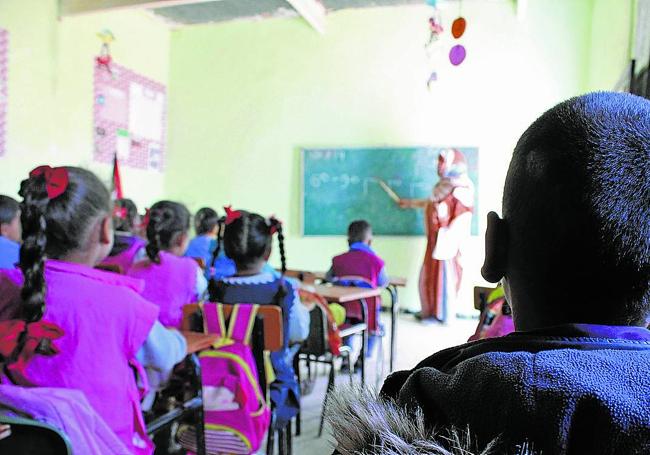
[364, 424]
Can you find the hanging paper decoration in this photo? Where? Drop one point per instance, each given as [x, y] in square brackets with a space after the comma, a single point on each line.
[457, 54]
[104, 58]
[435, 31]
[458, 27]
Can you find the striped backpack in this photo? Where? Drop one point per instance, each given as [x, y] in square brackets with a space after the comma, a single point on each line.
[236, 414]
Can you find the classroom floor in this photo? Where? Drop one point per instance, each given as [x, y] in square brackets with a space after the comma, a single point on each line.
[414, 342]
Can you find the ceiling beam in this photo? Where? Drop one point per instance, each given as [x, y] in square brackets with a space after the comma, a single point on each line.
[312, 11]
[73, 7]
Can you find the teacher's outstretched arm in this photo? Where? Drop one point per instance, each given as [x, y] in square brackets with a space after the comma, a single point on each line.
[403, 203]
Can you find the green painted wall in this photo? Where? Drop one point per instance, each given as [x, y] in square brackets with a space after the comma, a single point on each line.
[245, 96]
[51, 82]
[610, 42]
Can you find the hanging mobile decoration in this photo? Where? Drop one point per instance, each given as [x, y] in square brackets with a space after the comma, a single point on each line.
[104, 58]
[435, 31]
[458, 52]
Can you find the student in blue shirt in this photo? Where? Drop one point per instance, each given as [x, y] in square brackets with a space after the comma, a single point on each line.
[207, 226]
[10, 232]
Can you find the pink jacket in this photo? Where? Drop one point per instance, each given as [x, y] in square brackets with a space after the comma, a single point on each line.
[170, 285]
[105, 321]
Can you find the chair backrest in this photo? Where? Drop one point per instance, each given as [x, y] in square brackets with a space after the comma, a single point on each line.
[271, 316]
[110, 268]
[30, 437]
[201, 262]
[481, 294]
[317, 342]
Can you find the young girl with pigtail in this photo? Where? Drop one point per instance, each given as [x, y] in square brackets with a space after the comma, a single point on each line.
[66, 324]
[128, 247]
[247, 240]
[171, 280]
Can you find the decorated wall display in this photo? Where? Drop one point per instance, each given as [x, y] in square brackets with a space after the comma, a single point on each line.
[130, 116]
[4, 92]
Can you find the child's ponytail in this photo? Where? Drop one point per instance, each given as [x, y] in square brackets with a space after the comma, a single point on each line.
[215, 254]
[276, 227]
[167, 220]
[32, 251]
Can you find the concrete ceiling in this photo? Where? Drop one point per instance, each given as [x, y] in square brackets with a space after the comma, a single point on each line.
[226, 10]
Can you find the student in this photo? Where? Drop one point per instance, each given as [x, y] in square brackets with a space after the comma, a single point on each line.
[171, 281]
[361, 261]
[573, 253]
[247, 240]
[9, 232]
[208, 227]
[128, 247]
[86, 325]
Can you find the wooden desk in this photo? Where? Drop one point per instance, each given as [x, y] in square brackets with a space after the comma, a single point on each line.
[394, 282]
[342, 294]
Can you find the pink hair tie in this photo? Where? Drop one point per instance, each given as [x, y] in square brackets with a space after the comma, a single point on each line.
[56, 179]
[231, 215]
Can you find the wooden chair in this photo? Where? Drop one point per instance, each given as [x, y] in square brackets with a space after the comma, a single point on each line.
[268, 335]
[481, 294]
[201, 262]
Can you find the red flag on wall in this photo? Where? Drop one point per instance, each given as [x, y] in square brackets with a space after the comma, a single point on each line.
[117, 181]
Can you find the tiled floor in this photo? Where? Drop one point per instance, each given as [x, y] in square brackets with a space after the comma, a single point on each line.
[414, 342]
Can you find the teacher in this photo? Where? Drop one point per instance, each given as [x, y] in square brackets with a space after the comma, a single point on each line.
[447, 222]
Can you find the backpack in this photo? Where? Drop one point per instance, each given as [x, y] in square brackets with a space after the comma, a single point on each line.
[236, 414]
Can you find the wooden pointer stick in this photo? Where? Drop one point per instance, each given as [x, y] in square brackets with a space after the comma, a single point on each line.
[389, 190]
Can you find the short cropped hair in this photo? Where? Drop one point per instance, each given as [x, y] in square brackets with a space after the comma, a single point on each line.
[577, 202]
[358, 231]
[9, 208]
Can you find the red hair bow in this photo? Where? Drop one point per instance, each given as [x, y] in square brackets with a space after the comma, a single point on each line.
[36, 334]
[145, 219]
[56, 179]
[274, 224]
[231, 215]
[120, 212]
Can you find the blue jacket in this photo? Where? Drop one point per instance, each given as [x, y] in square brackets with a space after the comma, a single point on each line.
[578, 389]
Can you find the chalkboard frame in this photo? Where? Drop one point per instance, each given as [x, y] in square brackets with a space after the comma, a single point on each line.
[385, 149]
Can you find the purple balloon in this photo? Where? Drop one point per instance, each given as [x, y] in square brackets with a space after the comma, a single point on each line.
[457, 54]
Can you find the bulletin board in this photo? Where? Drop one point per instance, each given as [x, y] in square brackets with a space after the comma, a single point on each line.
[4, 93]
[130, 118]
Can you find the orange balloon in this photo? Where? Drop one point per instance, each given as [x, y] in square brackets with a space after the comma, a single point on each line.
[458, 27]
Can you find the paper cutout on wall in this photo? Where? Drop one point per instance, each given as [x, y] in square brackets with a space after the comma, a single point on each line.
[146, 111]
[130, 115]
[4, 93]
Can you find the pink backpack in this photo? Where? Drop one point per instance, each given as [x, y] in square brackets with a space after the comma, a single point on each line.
[236, 413]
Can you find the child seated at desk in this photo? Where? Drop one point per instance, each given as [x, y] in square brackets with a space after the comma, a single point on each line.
[10, 232]
[171, 280]
[360, 266]
[209, 233]
[247, 240]
[65, 324]
[128, 247]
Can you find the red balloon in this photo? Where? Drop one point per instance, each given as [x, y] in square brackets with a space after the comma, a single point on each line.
[458, 27]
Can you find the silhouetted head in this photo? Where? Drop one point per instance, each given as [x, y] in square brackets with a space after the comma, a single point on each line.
[125, 216]
[574, 242]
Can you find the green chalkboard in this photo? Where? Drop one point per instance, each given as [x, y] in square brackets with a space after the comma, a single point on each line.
[341, 185]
